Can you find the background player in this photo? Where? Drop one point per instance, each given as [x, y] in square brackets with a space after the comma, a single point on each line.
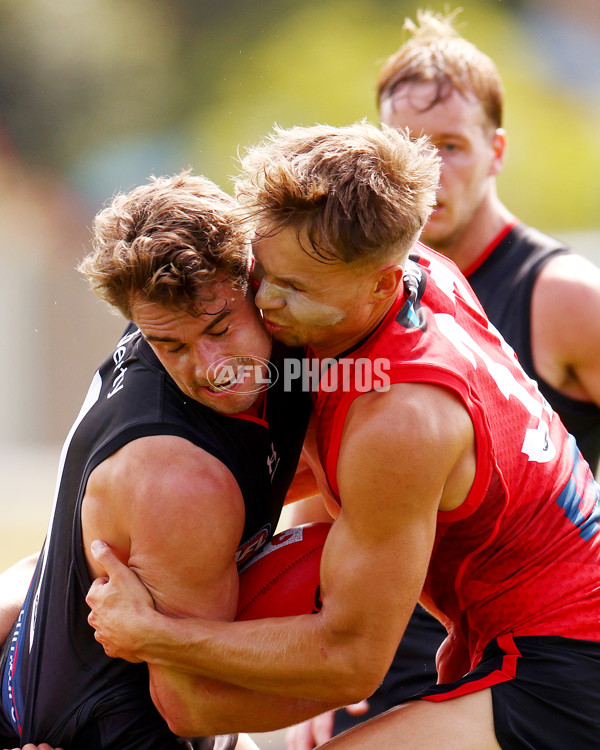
[177, 472]
[480, 517]
[532, 287]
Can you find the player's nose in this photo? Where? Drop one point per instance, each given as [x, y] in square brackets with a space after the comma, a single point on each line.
[269, 296]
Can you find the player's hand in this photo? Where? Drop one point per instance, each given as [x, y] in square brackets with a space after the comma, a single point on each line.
[118, 602]
[43, 746]
[314, 732]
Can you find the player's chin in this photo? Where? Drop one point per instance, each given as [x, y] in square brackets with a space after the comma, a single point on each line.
[290, 337]
[234, 403]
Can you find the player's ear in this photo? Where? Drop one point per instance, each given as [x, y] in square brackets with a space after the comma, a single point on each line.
[499, 147]
[387, 282]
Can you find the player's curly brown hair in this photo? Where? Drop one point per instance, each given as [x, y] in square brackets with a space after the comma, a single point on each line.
[437, 53]
[358, 193]
[167, 241]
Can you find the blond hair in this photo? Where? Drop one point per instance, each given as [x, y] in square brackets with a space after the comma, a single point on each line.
[437, 53]
[167, 242]
[359, 193]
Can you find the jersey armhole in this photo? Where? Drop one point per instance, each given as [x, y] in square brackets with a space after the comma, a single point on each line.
[434, 376]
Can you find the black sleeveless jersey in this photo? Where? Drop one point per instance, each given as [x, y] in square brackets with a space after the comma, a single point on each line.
[58, 686]
[504, 284]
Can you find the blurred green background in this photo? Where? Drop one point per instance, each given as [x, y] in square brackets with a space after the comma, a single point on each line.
[106, 91]
[95, 95]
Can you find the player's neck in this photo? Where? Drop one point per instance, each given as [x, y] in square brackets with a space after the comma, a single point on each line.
[257, 409]
[465, 247]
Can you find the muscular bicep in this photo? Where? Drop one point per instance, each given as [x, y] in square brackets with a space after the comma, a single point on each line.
[175, 514]
[393, 476]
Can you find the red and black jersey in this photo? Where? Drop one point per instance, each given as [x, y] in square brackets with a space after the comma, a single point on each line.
[521, 554]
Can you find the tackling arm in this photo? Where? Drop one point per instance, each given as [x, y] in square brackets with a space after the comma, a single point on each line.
[373, 566]
[175, 515]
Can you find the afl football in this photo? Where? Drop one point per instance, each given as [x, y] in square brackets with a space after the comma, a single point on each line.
[283, 578]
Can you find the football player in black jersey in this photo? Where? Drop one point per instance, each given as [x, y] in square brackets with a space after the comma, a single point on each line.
[543, 298]
[170, 463]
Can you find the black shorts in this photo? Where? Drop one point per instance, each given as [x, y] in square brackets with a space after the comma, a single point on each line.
[121, 718]
[545, 691]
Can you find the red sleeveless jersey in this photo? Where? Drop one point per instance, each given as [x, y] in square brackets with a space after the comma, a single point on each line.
[521, 554]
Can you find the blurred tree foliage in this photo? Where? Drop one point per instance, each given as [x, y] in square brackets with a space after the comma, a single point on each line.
[107, 91]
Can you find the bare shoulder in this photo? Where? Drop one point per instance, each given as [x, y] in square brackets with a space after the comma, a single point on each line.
[410, 411]
[565, 312]
[161, 494]
[419, 436]
[160, 465]
[568, 283]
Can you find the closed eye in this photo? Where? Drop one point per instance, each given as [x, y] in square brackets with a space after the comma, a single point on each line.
[218, 334]
[176, 350]
[291, 285]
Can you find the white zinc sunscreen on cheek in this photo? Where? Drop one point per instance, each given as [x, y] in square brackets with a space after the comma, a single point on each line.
[300, 307]
[312, 313]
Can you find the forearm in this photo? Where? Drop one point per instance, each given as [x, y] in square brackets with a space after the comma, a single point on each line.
[198, 706]
[296, 657]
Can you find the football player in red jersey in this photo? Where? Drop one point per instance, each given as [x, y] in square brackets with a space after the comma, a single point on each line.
[531, 286]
